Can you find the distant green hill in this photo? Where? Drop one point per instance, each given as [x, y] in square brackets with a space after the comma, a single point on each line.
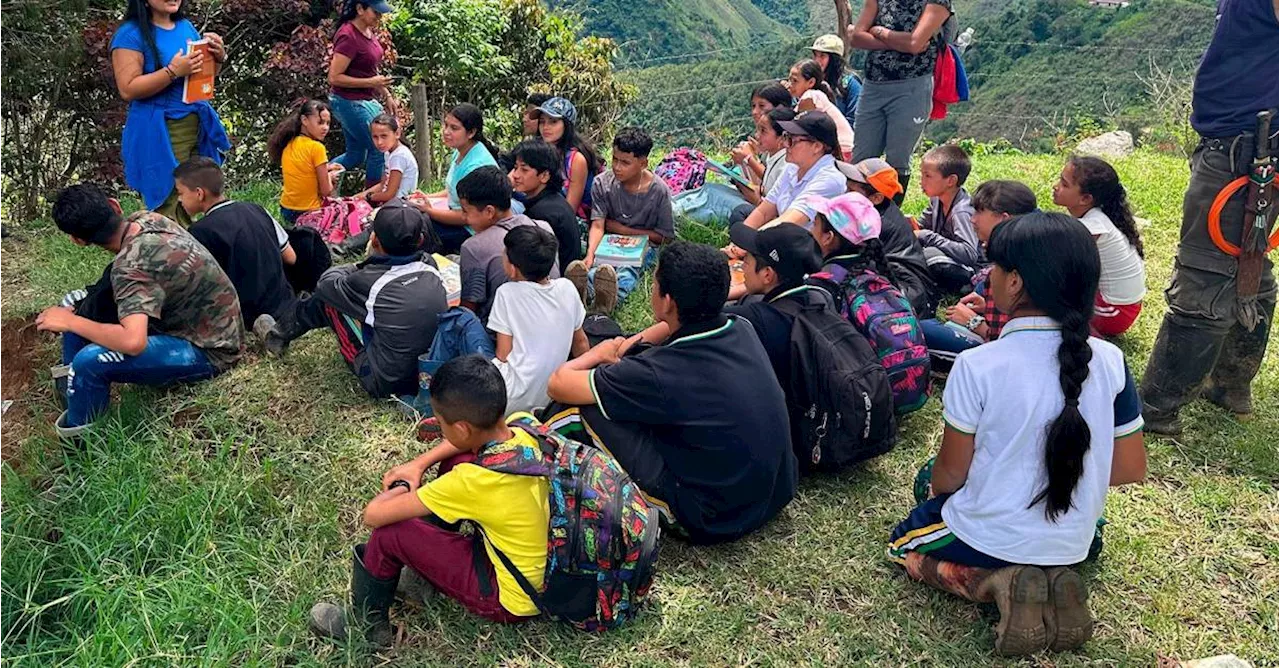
[658, 28]
[1037, 68]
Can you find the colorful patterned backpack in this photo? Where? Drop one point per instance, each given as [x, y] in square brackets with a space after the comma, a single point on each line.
[683, 169]
[882, 314]
[338, 218]
[602, 542]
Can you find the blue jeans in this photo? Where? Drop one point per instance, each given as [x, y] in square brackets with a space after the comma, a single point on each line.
[166, 360]
[945, 343]
[355, 117]
[627, 276]
[290, 215]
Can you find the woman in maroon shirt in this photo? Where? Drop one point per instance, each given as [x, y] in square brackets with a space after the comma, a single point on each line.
[355, 84]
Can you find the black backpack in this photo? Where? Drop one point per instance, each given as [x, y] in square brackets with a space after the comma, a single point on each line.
[838, 395]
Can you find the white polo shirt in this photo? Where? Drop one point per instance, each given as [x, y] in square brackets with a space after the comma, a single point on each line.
[1124, 276]
[1006, 393]
[823, 179]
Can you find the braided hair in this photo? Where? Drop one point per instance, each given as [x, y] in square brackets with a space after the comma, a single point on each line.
[1057, 260]
[1098, 179]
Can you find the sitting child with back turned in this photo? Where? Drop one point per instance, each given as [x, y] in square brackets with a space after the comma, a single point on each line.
[1022, 474]
[415, 525]
[946, 225]
[1090, 190]
[247, 242]
[630, 200]
[485, 195]
[538, 319]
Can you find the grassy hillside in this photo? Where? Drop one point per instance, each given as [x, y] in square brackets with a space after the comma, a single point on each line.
[202, 522]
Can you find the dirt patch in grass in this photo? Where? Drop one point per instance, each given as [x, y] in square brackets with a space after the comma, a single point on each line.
[18, 344]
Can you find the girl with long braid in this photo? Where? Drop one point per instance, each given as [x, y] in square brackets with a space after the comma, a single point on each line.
[1022, 475]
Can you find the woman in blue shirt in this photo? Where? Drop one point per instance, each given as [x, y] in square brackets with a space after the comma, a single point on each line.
[149, 59]
[462, 131]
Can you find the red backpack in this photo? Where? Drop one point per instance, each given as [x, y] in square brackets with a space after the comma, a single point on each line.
[338, 218]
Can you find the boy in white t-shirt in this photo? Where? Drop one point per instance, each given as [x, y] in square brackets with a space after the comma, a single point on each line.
[538, 320]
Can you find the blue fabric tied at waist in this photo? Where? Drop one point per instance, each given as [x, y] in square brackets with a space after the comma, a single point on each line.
[148, 153]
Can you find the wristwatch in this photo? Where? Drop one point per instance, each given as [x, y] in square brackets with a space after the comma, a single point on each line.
[974, 323]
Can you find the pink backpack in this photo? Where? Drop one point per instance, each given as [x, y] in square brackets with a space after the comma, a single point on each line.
[683, 169]
[338, 218]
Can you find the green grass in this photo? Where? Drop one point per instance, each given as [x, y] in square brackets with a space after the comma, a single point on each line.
[202, 523]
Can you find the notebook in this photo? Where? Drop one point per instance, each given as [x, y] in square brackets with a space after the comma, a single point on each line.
[728, 172]
[451, 276]
[198, 87]
[622, 250]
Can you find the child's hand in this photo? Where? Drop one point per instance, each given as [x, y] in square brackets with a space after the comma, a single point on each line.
[55, 319]
[974, 301]
[409, 471]
[589, 260]
[960, 314]
[806, 105]
[734, 252]
[742, 152]
[608, 351]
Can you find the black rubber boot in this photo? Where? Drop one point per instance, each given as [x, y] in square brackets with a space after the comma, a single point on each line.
[370, 604]
[1180, 361]
[1238, 364]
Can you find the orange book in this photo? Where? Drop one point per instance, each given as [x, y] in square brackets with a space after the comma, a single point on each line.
[197, 87]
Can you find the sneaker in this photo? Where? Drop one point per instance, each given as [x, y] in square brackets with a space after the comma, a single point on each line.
[606, 290]
[577, 274]
[61, 375]
[429, 429]
[265, 328]
[1068, 622]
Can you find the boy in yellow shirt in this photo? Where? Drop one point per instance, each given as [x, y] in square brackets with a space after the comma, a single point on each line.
[414, 525]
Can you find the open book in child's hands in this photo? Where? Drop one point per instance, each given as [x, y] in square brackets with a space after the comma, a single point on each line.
[198, 87]
[622, 250]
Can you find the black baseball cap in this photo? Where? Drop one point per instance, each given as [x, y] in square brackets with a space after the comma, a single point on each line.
[813, 124]
[399, 227]
[789, 249]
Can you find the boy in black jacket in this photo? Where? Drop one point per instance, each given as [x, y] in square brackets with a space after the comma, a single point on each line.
[245, 240]
[383, 310]
[535, 173]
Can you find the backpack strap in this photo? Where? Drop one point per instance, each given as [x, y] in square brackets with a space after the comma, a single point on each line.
[525, 586]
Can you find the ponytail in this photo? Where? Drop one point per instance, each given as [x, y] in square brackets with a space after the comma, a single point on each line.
[1099, 180]
[1057, 260]
[810, 69]
[291, 127]
[469, 117]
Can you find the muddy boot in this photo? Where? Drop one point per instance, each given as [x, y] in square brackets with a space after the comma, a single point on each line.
[269, 334]
[370, 605]
[61, 375]
[72, 436]
[1067, 620]
[1238, 363]
[1021, 593]
[1180, 361]
[606, 290]
[577, 274]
